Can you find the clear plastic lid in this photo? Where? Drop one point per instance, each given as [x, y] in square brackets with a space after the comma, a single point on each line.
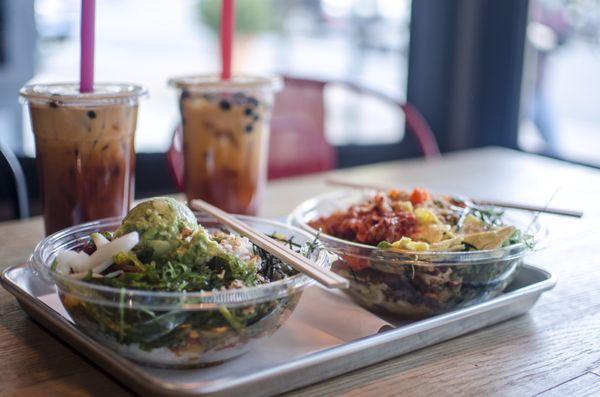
[67, 94]
[214, 84]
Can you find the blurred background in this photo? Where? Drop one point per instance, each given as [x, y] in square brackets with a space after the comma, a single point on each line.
[514, 73]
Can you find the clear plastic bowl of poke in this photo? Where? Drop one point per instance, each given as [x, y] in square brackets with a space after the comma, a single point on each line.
[413, 255]
[170, 288]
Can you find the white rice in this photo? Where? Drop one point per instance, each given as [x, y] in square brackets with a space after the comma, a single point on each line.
[240, 247]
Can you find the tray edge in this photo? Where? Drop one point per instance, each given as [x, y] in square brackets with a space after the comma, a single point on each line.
[111, 363]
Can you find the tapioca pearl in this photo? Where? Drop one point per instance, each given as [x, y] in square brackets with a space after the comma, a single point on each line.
[224, 105]
[91, 114]
[248, 128]
[239, 98]
[184, 94]
[248, 111]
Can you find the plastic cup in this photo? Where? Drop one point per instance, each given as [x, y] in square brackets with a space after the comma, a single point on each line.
[84, 148]
[225, 138]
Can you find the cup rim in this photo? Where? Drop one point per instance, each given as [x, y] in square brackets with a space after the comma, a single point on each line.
[67, 93]
[213, 83]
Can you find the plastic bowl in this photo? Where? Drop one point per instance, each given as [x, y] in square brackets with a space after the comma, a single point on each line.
[416, 284]
[171, 329]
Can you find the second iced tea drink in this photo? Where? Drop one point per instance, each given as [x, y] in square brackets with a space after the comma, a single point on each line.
[225, 139]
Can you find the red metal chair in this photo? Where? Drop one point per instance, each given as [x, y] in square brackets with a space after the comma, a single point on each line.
[297, 143]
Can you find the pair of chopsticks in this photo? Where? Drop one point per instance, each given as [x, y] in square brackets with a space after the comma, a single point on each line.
[501, 204]
[294, 259]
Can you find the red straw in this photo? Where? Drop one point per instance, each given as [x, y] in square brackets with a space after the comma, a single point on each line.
[227, 29]
[86, 78]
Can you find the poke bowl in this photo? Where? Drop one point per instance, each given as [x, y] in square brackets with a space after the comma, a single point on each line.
[413, 255]
[212, 298]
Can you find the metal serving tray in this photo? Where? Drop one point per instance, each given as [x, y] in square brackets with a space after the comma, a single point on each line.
[288, 370]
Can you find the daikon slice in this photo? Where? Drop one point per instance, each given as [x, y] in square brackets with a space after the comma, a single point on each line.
[103, 257]
[64, 260]
[67, 261]
[114, 274]
[80, 262]
[99, 240]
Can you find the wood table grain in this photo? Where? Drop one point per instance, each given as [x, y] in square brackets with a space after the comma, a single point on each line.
[552, 351]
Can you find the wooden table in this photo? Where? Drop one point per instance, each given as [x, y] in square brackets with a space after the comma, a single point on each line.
[553, 350]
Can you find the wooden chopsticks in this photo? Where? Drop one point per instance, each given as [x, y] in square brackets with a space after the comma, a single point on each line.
[294, 259]
[524, 207]
[532, 208]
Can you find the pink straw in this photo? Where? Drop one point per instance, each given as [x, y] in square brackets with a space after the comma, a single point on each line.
[227, 29]
[86, 78]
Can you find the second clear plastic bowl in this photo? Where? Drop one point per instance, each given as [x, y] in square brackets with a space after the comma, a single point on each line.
[416, 285]
[172, 329]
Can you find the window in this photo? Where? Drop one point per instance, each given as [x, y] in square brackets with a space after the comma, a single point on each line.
[2, 32]
[147, 42]
[561, 89]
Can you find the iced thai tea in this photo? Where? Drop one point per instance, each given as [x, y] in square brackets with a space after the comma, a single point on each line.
[84, 150]
[225, 139]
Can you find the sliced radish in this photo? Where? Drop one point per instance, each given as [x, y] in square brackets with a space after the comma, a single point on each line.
[62, 268]
[67, 261]
[99, 240]
[63, 261]
[103, 257]
[80, 262]
[114, 274]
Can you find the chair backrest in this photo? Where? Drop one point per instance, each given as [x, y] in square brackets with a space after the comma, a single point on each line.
[297, 144]
[416, 123]
[13, 180]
